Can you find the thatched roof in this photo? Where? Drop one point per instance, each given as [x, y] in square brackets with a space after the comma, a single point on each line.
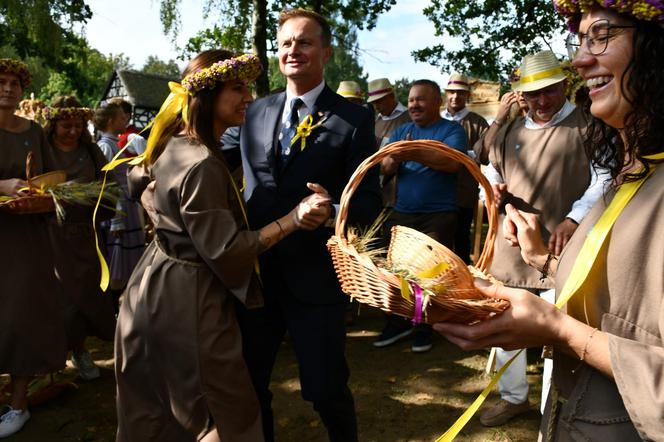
[146, 91]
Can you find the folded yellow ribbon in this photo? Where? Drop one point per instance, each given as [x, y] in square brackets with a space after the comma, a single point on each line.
[580, 271]
[304, 130]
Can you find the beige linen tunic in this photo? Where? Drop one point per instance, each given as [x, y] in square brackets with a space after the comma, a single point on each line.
[179, 364]
[32, 338]
[624, 297]
[546, 171]
[467, 187]
[87, 310]
[383, 130]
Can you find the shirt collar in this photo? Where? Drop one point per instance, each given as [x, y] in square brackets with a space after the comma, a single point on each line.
[398, 110]
[559, 116]
[112, 136]
[456, 117]
[309, 98]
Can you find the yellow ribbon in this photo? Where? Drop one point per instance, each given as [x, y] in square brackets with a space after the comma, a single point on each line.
[425, 274]
[580, 271]
[541, 75]
[304, 129]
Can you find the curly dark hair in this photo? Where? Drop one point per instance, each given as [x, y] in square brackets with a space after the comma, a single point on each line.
[642, 85]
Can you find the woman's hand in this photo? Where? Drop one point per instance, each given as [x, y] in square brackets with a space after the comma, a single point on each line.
[313, 210]
[529, 321]
[11, 187]
[521, 229]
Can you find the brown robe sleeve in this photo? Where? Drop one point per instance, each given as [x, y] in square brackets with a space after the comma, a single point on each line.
[638, 369]
[206, 195]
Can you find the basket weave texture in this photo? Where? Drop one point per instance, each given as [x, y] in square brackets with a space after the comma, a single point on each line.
[34, 202]
[411, 252]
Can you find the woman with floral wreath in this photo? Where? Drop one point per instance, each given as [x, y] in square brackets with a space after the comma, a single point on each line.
[87, 310]
[179, 365]
[32, 338]
[608, 346]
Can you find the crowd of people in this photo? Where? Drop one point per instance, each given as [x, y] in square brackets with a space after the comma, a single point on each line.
[235, 265]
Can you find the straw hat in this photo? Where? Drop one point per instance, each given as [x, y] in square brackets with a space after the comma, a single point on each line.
[378, 89]
[349, 89]
[539, 71]
[457, 82]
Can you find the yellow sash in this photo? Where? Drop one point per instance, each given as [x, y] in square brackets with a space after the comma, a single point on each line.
[582, 266]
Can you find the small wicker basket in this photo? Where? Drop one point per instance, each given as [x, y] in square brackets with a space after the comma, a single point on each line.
[34, 202]
[415, 252]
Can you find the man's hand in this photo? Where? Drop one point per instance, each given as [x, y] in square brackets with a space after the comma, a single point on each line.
[11, 187]
[561, 236]
[313, 210]
[505, 105]
[521, 229]
[147, 201]
[499, 193]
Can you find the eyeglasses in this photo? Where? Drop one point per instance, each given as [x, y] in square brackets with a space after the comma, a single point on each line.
[549, 91]
[596, 40]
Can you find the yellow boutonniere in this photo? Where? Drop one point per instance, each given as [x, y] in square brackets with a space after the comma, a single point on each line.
[305, 128]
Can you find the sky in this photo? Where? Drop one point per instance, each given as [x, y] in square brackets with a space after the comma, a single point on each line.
[132, 27]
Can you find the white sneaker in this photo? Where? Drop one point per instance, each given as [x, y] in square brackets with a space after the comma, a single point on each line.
[12, 421]
[87, 369]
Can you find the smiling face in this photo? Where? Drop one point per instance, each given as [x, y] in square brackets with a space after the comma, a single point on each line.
[424, 105]
[10, 91]
[231, 103]
[302, 54]
[456, 100]
[67, 133]
[546, 102]
[604, 73]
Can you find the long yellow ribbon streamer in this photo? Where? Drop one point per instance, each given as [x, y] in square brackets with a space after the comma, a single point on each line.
[582, 266]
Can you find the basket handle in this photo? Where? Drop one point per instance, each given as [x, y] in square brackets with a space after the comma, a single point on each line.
[406, 147]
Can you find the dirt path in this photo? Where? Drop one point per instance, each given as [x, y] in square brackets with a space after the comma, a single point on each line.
[400, 396]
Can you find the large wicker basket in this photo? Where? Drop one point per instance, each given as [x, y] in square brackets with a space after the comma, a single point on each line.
[414, 252]
[33, 201]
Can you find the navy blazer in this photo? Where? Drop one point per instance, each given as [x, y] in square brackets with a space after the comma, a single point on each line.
[332, 154]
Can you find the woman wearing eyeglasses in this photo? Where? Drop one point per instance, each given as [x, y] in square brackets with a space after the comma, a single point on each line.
[608, 347]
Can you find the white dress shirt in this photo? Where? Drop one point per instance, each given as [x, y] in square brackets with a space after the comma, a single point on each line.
[308, 101]
[398, 110]
[456, 117]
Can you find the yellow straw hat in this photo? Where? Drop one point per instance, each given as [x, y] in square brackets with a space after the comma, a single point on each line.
[349, 89]
[378, 89]
[458, 82]
[539, 71]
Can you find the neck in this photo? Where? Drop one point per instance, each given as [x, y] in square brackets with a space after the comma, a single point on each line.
[300, 86]
[218, 130]
[429, 123]
[387, 114]
[452, 111]
[65, 148]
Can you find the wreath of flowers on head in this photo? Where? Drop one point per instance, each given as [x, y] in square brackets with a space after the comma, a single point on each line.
[18, 68]
[61, 113]
[647, 10]
[245, 67]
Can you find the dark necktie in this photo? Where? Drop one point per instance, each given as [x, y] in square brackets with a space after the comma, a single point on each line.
[288, 131]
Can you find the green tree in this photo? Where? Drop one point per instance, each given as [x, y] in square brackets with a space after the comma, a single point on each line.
[494, 35]
[402, 88]
[154, 65]
[234, 30]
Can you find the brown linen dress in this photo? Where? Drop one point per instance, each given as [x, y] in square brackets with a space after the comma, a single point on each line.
[467, 187]
[179, 364]
[624, 297]
[32, 336]
[546, 171]
[87, 310]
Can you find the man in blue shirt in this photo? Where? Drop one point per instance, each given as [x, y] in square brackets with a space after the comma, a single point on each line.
[426, 195]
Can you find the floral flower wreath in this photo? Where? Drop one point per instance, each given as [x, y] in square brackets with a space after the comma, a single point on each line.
[61, 113]
[18, 68]
[647, 10]
[246, 67]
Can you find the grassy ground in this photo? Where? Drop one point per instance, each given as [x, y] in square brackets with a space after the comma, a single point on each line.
[400, 396]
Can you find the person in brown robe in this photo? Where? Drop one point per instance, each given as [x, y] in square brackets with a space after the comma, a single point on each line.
[32, 338]
[608, 343]
[179, 366]
[87, 310]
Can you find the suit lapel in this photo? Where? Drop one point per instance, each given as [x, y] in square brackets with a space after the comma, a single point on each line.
[271, 127]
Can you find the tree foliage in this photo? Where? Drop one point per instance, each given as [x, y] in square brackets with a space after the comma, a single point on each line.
[154, 65]
[252, 24]
[494, 35]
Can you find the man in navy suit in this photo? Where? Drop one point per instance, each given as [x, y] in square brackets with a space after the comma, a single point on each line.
[302, 294]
